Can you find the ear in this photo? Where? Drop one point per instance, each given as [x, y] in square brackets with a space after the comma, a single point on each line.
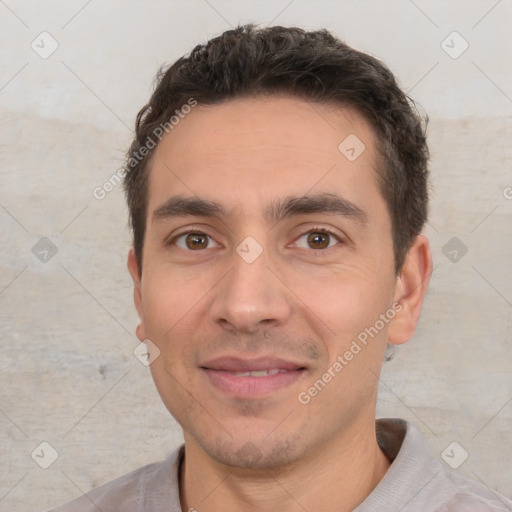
[410, 290]
[133, 268]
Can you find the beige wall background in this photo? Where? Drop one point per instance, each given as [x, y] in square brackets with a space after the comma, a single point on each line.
[67, 370]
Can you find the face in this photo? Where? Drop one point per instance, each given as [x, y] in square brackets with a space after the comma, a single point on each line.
[268, 254]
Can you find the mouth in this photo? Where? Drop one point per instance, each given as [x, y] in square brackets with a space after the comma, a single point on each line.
[251, 378]
[259, 373]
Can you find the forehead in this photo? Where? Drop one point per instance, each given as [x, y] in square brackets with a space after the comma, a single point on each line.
[249, 150]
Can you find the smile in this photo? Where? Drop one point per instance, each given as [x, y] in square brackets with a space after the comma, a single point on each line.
[256, 378]
[259, 373]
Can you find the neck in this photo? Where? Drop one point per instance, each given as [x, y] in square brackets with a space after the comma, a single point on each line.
[337, 476]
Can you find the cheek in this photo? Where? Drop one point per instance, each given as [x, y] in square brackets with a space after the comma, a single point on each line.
[169, 302]
[345, 304]
[171, 306]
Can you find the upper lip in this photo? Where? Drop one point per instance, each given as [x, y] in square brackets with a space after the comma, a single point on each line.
[236, 364]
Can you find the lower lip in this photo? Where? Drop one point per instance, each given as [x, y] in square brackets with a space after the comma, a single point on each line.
[251, 387]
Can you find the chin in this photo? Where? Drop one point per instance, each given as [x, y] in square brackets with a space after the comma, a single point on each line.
[253, 454]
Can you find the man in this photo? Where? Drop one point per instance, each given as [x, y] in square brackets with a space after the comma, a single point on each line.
[277, 188]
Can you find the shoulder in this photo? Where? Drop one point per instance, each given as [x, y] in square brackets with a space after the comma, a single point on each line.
[416, 481]
[132, 492]
[460, 494]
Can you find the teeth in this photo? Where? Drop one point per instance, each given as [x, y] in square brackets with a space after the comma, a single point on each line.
[259, 373]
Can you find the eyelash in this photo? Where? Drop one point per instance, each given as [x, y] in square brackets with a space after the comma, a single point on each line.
[325, 231]
[316, 229]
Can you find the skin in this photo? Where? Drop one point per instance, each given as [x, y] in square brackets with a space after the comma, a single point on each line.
[303, 299]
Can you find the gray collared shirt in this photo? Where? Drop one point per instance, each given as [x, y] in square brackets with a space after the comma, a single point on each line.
[415, 482]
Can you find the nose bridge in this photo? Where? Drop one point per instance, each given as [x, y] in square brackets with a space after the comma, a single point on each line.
[250, 295]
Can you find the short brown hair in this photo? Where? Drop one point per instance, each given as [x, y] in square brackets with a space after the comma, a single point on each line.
[315, 66]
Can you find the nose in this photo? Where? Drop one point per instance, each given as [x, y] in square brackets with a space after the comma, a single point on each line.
[251, 297]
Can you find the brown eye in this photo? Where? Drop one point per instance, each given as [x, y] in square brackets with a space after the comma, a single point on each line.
[318, 240]
[193, 241]
[196, 241]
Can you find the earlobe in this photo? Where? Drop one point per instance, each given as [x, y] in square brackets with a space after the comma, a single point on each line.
[410, 290]
[133, 268]
[140, 332]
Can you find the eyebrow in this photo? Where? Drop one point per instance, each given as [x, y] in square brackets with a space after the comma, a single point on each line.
[290, 206]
